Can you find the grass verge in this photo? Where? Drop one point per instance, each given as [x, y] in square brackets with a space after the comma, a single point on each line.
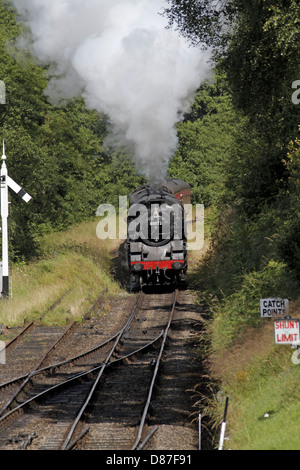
[265, 407]
[261, 379]
[74, 269]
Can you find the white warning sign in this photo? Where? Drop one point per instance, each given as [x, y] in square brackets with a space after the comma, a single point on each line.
[287, 331]
[273, 307]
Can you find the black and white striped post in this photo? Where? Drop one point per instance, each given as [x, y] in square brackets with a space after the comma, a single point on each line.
[223, 426]
[5, 183]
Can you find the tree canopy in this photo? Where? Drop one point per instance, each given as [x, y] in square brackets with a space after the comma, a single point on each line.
[55, 153]
[256, 46]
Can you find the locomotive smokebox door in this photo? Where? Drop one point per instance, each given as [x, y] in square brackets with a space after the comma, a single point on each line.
[156, 236]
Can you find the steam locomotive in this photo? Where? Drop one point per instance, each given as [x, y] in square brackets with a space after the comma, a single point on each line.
[156, 234]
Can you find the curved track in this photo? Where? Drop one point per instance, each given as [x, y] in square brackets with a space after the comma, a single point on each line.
[97, 400]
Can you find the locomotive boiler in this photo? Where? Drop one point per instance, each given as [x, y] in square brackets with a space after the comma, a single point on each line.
[156, 234]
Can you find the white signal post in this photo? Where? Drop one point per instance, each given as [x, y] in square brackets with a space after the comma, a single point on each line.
[5, 182]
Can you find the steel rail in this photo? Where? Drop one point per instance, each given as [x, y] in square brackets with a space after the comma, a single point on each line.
[70, 442]
[99, 375]
[19, 335]
[32, 324]
[27, 377]
[32, 373]
[77, 377]
[147, 438]
[75, 441]
[151, 388]
[57, 365]
[81, 374]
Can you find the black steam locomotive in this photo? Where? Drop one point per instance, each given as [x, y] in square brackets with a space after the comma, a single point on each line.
[156, 234]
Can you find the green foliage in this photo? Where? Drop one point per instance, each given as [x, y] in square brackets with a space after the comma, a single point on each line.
[247, 118]
[261, 60]
[277, 398]
[289, 239]
[198, 20]
[74, 268]
[262, 65]
[206, 139]
[239, 310]
[54, 153]
[255, 244]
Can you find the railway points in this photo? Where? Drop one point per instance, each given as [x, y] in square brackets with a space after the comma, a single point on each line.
[106, 382]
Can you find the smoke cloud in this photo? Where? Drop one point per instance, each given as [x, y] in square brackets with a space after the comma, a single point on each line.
[122, 59]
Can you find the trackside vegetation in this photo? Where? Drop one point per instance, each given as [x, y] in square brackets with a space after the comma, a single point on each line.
[73, 272]
[251, 186]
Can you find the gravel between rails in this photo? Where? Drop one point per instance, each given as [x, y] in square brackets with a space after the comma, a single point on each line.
[172, 407]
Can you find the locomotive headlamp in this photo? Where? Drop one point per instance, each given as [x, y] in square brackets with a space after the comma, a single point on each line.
[137, 267]
[177, 265]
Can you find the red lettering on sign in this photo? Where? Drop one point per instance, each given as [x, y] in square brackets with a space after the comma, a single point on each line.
[286, 338]
[286, 325]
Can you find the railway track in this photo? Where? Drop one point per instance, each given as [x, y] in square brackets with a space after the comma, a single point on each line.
[98, 399]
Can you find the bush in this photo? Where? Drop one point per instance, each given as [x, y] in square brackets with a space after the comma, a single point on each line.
[289, 241]
[239, 310]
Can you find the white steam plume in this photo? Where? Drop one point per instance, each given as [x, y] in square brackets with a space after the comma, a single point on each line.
[120, 56]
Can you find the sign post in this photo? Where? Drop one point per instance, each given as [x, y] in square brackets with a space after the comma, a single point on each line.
[5, 183]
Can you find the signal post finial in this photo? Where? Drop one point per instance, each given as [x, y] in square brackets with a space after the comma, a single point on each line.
[3, 155]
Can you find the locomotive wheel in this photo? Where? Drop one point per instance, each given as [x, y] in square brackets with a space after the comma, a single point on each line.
[134, 283]
[180, 281]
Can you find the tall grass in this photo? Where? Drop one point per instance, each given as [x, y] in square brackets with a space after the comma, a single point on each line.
[259, 377]
[265, 409]
[73, 270]
[236, 312]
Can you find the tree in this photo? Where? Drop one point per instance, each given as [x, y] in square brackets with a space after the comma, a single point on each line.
[258, 50]
[55, 153]
[206, 140]
[200, 21]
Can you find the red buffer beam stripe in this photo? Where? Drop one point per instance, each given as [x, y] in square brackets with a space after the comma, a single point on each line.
[161, 264]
